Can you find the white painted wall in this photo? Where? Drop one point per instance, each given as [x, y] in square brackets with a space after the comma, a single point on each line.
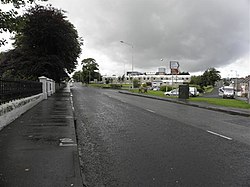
[12, 110]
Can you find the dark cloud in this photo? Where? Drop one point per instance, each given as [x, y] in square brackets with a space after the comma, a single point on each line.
[199, 34]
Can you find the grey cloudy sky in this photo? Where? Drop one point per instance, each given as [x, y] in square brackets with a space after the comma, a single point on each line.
[197, 33]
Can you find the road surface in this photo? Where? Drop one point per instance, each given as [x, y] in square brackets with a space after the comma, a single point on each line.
[132, 141]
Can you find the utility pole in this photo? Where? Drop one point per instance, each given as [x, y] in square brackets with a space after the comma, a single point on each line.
[132, 59]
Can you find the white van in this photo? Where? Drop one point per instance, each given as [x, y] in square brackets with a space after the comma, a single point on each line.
[228, 92]
[193, 91]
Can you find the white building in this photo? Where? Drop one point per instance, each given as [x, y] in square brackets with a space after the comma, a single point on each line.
[159, 79]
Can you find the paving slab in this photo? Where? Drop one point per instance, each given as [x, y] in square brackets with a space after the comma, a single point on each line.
[40, 148]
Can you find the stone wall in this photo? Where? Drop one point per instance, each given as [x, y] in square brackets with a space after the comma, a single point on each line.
[12, 110]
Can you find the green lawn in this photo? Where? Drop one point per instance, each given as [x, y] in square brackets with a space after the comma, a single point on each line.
[214, 101]
[222, 102]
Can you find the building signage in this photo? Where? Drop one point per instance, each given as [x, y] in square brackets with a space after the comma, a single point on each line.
[174, 66]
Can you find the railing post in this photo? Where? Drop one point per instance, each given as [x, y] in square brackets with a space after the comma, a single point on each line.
[43, 80]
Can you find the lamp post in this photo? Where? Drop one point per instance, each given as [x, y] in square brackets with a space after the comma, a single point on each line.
[166, 80]
[235, 83]
[132, 59]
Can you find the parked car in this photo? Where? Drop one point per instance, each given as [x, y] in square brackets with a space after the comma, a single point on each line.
[174, 92]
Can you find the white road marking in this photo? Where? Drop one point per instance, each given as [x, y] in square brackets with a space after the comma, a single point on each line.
[67, 145]
[220, 135]
[150, 110]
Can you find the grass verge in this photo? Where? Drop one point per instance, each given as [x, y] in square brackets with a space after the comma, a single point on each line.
[234, 103]
[222, 102]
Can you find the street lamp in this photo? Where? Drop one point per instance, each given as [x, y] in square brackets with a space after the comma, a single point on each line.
[235, 83]
[132, 64]
[166, 80]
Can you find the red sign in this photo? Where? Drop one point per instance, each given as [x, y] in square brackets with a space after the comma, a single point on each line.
[174, 66]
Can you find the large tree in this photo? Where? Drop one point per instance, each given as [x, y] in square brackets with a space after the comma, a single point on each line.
[89, 68]
[89, 71]
[209, 77]
[47, 44]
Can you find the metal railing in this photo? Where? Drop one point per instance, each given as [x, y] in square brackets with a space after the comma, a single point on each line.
[12, 89]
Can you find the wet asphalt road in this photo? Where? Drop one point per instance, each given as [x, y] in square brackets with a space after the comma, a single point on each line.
[132, 141]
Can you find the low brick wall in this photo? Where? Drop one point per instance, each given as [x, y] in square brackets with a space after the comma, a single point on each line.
[12, 110]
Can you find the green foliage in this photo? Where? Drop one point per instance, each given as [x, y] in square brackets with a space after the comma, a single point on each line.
[184, 73]
[149, 84]
[46, 44]
[163, 88]
[89, 69]
[18, 3]
[10, 20]
[209, 77]
[88, 72]
[214, 101]
[226, 82]
[222, 102]
[196, 80]
[136, 83]
[115, 86]
[77, 76]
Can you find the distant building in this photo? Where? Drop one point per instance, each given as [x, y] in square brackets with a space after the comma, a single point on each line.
[156, 78]
[160, 79]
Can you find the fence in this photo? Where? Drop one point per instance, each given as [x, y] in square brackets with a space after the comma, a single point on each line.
[11, 90]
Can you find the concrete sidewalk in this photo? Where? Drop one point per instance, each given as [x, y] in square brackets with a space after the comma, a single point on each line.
[233, 111]
[40, 148]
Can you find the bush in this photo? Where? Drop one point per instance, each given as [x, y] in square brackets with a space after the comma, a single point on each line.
[115, 86]
[149, 84]
[136, 83]
[163, 88]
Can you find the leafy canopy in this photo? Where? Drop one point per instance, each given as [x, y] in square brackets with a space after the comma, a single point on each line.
[47, 44]
[209, 77]
[89, 71]
[10, 20]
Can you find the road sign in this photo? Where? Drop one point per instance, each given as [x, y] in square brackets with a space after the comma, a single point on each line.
[174, 65]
